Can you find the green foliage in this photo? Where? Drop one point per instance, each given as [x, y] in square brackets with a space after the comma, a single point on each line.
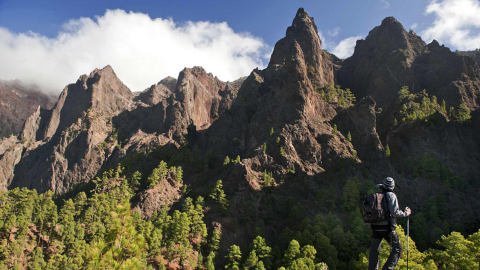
[264, 148]
[237, 160]
[271, 131]
[178, 175]
[234, 257]
[226, 161]
[282, 151]
[354, 154]
[98, 231]
[214, 244]
[278, 140]
[102, 146]
[335, 130]
[333, 93]
[158, 174]
[463, 113]
[218, 195]
[404, 93]
[457, 252]
[351, 194]
[417, 259]
[420, 107]
[267, 178]
[387, 151]
[349, 137]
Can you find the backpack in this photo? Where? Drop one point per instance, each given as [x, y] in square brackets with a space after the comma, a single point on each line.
[375, 208]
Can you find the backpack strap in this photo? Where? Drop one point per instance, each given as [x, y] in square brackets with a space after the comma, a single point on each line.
[385, 205]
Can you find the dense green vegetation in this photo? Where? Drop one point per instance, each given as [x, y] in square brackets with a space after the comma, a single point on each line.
[101, 231]
[334, 94]
[420, 107]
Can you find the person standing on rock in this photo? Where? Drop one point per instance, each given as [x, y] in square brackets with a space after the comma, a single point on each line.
[386, 229]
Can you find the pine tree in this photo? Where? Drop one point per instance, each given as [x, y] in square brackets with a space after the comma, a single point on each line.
[260, 266]
[214, 244]
[237, 160]
[251, 260]
[264, 148]
[451, 113]
[292, 252]
[157, 174]
[234, 257]
[443, 107]
[226, 161]
[335, 129]
[403, 93]
[134, 180]
[463, 113]
[271, 131]
[218, 195]
[179, 175]
[387, 151]
[38, 262]
[351, 194]
[349, 137]
[210, 264]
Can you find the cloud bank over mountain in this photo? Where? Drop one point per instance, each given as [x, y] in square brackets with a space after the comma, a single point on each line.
[457, 22]
[142, 50]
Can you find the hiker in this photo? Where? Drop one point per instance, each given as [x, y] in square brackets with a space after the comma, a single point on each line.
[386, 229]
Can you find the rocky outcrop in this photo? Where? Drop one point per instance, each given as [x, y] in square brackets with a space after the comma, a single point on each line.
[157, 92]
[303, 31]
[382, 63]
[67, 145]
[390, 58]
[94, 117]
[282, 99]
[17, 103]
[475, 55]
[197, 99]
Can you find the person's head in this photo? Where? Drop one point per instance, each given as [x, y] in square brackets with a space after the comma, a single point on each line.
[388, 184]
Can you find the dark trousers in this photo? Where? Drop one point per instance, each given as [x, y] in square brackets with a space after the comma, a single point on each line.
[392, 239]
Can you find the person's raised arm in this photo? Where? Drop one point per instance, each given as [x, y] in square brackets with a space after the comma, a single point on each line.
[393, 207]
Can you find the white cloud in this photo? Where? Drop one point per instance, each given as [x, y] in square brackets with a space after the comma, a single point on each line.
[334, 32]
[141, 50]
[385, 3]
[343, 49]
[457, 22]
[415, 25]
[346, 47]
[323, 40]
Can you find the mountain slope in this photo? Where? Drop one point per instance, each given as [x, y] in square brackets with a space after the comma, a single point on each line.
[17, 103]
[287, 144]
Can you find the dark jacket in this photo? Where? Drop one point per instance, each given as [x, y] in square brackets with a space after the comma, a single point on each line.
[393, 208]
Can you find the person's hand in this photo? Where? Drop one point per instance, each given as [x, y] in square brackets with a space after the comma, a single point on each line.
[408, 211]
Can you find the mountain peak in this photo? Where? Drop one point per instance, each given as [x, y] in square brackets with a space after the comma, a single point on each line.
[390, 20]
[304, 32]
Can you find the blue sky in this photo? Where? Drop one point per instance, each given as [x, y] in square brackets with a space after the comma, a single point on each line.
[145, 41]
[265, 19]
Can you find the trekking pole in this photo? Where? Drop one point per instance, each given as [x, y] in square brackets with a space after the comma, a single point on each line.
[408, 236]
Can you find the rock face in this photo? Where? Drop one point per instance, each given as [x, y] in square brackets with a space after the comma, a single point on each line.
[303, 31]
[390, 58]
[157, 92]
[17, 103]
[475, 55]
[92, 118]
